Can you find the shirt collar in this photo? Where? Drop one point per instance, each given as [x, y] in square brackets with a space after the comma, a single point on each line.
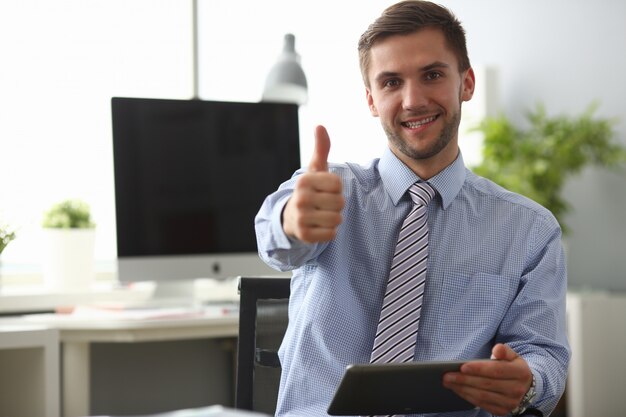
[397, 178]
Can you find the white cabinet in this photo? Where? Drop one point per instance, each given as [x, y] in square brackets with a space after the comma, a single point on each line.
[597, 374]
[29, 371]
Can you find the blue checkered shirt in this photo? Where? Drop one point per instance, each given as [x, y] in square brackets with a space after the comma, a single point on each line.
[496, 274]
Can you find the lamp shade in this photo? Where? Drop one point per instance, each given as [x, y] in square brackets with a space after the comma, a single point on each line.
[286, 81]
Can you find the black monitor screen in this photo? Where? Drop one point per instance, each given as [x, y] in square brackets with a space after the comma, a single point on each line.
[190, 175]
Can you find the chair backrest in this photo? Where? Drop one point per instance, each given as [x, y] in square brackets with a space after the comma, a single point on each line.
[263, 306]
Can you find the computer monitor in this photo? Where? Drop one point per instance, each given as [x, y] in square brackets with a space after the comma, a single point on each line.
[190, 175]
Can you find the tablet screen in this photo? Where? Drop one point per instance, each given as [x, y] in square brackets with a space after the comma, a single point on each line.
[404, 388]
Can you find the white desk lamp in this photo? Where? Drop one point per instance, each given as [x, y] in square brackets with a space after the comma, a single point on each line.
[286, 81]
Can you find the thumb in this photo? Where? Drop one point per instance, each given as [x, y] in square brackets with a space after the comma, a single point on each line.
[319, 160]
[503, 352]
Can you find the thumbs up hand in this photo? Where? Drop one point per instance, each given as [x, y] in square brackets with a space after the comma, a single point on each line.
[313, 212]
[319, 160]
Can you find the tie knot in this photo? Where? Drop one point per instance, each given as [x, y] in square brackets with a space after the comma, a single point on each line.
[421, 193]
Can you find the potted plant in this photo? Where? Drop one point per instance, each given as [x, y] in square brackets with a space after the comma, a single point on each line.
[536, 161]
[6, 236]
[70, 242]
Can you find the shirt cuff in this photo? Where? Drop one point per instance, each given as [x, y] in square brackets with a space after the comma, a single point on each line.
[281, 240]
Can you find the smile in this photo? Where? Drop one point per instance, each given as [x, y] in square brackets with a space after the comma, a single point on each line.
[418, 123]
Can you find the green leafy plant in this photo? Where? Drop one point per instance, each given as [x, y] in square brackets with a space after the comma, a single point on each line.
[69, 214]
[6, 236]
[536, 161]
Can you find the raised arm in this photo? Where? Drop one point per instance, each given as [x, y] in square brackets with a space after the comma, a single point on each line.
[313, 212]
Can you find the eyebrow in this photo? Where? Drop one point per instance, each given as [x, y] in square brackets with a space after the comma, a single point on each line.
[385, 74]
[390, 74]
[435, 65]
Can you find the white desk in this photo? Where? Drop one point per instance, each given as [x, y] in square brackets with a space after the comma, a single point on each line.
[77, 335]
[103, 359]
[29, 371]
[28, 299]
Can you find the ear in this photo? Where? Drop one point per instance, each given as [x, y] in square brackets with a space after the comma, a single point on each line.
[469, 82]
[370, 102]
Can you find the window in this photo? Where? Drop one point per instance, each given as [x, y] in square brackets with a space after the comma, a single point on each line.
[62, 61]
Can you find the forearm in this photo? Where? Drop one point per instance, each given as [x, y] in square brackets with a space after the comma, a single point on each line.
[545, 348]
[535, 326]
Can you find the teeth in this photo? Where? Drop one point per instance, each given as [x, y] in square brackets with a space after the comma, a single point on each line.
[414, 125]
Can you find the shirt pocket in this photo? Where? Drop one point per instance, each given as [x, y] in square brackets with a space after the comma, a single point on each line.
[469, 309]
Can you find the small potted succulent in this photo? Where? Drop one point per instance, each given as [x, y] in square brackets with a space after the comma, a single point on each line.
[70, 242]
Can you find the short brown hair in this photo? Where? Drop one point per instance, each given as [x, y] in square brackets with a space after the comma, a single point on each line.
[411, 16]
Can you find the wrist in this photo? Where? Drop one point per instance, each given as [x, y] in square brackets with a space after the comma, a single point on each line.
[527, 399]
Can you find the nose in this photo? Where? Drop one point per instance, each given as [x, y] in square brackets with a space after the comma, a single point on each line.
[413, 96]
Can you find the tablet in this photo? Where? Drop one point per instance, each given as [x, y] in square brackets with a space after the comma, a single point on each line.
[401, 388]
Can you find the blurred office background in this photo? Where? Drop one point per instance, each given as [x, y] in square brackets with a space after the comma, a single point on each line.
[63, 60]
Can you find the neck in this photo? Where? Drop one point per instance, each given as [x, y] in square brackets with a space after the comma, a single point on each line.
[429, 167]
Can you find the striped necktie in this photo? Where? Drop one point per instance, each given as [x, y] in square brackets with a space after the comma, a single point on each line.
[399, 317]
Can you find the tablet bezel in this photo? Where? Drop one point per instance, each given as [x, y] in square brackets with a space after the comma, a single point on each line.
[405, 388]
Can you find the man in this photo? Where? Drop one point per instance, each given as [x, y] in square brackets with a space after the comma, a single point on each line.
[495, 277]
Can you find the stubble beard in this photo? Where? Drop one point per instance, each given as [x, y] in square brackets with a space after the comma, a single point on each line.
[448, 132]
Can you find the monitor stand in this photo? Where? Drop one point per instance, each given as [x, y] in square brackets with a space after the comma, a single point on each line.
[194, 292]
[175, 293]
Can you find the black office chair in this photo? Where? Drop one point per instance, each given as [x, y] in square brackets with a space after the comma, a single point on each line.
[263, 305]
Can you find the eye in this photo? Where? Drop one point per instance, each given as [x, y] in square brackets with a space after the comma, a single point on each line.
[391, 83]
[433, 75]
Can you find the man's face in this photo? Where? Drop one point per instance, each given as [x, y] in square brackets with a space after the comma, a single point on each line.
[416, 90]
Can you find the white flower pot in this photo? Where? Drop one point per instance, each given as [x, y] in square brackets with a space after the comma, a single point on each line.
[69, 259]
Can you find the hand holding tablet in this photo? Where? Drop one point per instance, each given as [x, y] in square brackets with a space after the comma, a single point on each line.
[404, 388]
